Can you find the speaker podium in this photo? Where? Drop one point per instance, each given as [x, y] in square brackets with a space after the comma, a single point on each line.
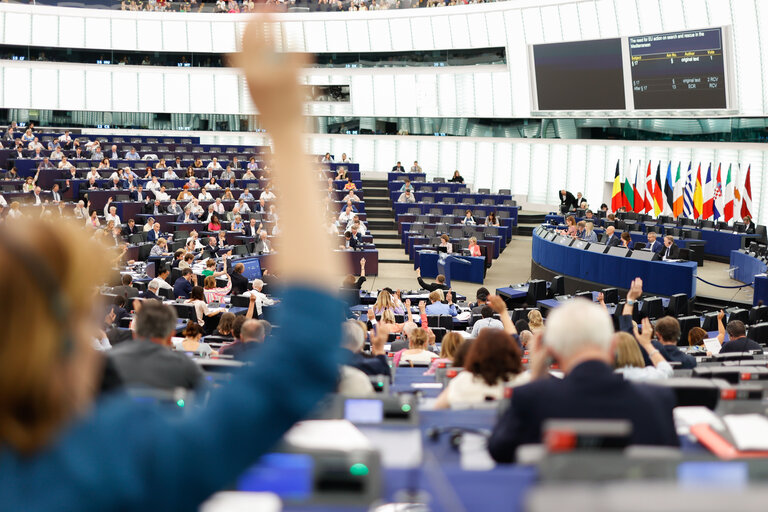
[445, 263]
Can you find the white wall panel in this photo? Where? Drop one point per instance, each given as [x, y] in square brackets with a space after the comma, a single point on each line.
[151, 95]
[149, 35]
[672, 15]
[72, 88]
[199, 36]
[606, 18]
[441, 32]
[45, 30]
[125, 91]
[569, 16]
[203, 93]
[695, 12]
[45, 91]
[17, 80]
[648, 15]
[590, 28]
[448, 158]
[447, 95]
[538, 186]
[459, 31]
[223, 37]
[175, 36]
[552, 24]
[336, 37]
[533, 28]
[400, 30]
[124, 34]
[293, 36]
[18, 28]
[421, 32]
[484, 165]
[478, 30]
[227, 98]
[405, 99]
[97, 33]
[98, 90]
[314, 35]
[380, 35]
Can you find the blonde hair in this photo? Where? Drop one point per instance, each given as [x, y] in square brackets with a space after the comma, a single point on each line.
[627, 351]
[436, 296]
[387, 317]
[418, 338]
[48, 370]
[383, 301]
[535, 321]
[210, 282]
[450, 344]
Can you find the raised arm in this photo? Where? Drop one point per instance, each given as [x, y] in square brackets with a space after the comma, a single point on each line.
[498, 305]
[720, 327]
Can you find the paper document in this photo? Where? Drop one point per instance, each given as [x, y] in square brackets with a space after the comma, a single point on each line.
[749, 431]
[686, 417]
[713, 345]
[327, 435]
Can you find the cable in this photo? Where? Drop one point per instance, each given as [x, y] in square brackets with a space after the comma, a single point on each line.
[720, 285]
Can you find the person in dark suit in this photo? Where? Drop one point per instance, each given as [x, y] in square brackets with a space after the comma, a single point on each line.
[240, 283]
[567, 201]
[579, 337]
[182, 288]
[610, 239]
[125, 289]
[398, 168]
[670, 251]
[130, 228]
[151, 292]
[737, 336]
[187, 216]
[154, 233]
[653, 244]
[439, 285]
[352, 346]
[252, 229]
[749, 225]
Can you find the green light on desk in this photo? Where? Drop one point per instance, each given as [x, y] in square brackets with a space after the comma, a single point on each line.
[406, 408]
[180, 402]
[358, 469]
[380, 384]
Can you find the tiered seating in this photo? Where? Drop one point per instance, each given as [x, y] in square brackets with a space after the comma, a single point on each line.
[439, 209]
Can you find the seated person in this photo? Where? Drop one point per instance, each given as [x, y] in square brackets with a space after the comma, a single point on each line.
[737, 334]
[653, 244]
[182, 288]
[629, 359]
[578, 337]
[491, 219]
[468, 219]
[406, 197]
[416, 352]
[570, 229]
[352, 347]
[148, 360]
[626, 240]
[252, 335]
[589, 233]
[474, 249]
[439, 285]
[191, 342]
[670, 251]
[437, 307]
[407, 186]
[486, 322]
[197, 299]
[456, 178]
[445, 241]
[493, 363]
[351, 283]
[448, 348]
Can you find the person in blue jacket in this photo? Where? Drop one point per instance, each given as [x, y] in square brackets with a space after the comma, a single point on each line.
[60, 450]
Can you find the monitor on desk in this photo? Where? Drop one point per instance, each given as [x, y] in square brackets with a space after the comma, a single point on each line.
[619, 251]
[599, 248]
[252, 269]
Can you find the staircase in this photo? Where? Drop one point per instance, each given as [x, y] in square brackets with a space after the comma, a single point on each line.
[526, 222]
[381, 222]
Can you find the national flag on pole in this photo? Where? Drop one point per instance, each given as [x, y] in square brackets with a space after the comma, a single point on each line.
[729, 200]
[639, 191]
[669, 192]
[718, 206]
[648, 200]
[677, 203]
[688, 194]
[746, 196]
[698, 196]
[616, 200]
[628, 195]
[658, 197]
[737, 195]
[708, 204]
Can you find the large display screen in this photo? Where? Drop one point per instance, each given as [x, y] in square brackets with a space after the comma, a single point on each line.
[580, 75]
[678, 70]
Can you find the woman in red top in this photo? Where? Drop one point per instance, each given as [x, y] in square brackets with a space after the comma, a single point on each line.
[214, 225]
[474, 249]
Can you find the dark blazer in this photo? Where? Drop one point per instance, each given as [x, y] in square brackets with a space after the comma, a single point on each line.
[128, 231]
[192, 217]
[613, 241]
[398, 168]
[671, 353]
[375, 365]
[740, 345]
[182, 288]
[567, 201]
[656, 247]
[674, 252]
[432, 286]
[240, 283]
[251, 231]
[149, 295]
[590, 391]
[143, 363]
[152, 236]
[750, 228]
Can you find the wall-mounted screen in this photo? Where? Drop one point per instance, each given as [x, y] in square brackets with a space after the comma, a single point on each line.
[678, 70]
[579, 75]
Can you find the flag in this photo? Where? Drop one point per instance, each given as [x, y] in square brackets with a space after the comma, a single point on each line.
[706, 212]
[648, 201]
[737, 195]
[658, 198]
[669, 194]
[628, 195]
[729, 200]
[718, 206]
[698, 199]
[616, 200]
[639, 191]
[688, 194]
[677, 203]
[746, 196]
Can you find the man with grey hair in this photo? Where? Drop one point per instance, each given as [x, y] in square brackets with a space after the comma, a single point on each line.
[151, 292]
[148, 359]
[579, 337]
[261, 298]
[252, 335]
[353, 342]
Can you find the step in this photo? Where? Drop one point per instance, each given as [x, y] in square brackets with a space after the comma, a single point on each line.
[377, 202]
[368, 182]
[530, 218]
[375, 192]
[403, 262]
[389, 245]
[377, 224]
[385, 235]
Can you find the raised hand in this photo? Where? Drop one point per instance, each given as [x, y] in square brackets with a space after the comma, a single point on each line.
[635, 289]
[496, 303]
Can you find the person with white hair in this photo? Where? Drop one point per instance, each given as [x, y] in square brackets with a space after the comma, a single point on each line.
[579, 337]
[261, 298]
[353, 341]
